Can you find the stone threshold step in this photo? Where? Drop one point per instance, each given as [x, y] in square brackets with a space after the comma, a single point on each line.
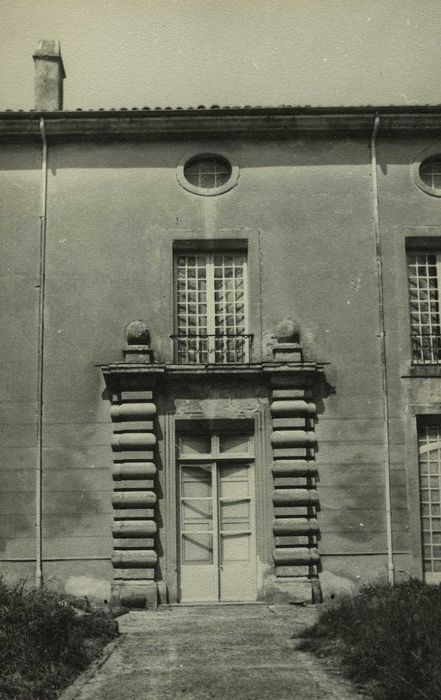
[216, 603]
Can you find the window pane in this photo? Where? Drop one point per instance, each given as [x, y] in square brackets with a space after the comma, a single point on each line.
[196, 475]
[207, 171]
[235, 547]
[196, 509]
[196, 488]
[194, 444]
[429, 437]
[235, 511]
[430, 171]
[424, 308]
[238, 472]
[213, 314]
[234, 489]
[197, 548]
[207, 181]
[234, 443]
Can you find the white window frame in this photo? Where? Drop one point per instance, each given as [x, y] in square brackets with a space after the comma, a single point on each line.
[208, 191]
[433, 152]
[216, 348]
[425, 335]
[429, 459]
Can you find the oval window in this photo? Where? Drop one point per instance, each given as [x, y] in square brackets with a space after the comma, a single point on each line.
[426, 173]
[430, 172]
[207, 174]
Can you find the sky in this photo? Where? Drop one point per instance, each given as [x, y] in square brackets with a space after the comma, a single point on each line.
[136, 53]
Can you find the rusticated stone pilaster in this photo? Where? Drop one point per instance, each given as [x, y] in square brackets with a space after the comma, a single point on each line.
[134, 498]
[295, 496]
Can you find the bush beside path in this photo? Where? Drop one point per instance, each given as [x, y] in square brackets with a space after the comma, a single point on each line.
[46, 641]
[386, 639]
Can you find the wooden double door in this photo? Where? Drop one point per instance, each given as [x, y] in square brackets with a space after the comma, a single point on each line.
[217, 542]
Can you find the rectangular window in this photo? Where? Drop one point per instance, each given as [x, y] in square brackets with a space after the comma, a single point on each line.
[429, 456]
[424, 270]
[211, 325]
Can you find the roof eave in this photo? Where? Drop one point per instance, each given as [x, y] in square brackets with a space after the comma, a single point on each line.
[148, 124]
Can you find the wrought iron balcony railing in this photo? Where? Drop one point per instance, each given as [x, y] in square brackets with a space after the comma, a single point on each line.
[222, 348]
[426, 349]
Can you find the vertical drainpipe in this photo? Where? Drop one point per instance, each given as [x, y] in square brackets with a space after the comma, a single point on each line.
[40, 362]
[380, 289]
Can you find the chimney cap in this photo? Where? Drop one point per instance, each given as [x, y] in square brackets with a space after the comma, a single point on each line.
[49, 49]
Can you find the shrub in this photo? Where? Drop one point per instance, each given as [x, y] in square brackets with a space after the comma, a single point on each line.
[45, 642]
[387, 638]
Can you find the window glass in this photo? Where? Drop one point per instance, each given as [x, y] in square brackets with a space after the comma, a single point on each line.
[430, 172]
[197, 548]
[234, 489]
[194, 444]
[196, 509]
[211, 308]
[236, 511]
[207, 171]
[234, 443]
[196, 487]
[429, 448]
[235, 547]
[425, 319]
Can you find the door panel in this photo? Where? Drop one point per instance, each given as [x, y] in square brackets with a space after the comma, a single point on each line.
[199, 579]
[237, 533]
[217, 532]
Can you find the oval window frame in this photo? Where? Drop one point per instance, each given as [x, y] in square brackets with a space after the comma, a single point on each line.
[432, 152]
[207, 191]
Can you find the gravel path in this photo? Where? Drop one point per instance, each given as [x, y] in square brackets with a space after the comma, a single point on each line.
[234, 652]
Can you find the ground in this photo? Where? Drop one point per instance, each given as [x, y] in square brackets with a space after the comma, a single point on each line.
[210, 652]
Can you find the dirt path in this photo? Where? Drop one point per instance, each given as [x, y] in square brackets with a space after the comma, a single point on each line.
[235, 652]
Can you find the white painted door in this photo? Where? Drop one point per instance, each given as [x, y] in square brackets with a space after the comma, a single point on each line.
[217, 532]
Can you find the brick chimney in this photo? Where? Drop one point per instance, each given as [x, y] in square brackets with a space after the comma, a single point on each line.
[49, 76]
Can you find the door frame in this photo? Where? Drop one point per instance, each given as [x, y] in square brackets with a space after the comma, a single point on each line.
[216, 464]
[172, 424]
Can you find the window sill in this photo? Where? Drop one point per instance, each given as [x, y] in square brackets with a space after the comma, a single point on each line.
[422, 371]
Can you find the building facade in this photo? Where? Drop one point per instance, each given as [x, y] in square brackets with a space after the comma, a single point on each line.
[221, 349]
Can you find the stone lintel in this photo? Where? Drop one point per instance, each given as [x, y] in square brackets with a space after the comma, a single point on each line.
[280, 374]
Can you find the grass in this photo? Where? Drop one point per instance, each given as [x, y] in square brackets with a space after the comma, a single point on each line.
[388, 640]
[45, 642]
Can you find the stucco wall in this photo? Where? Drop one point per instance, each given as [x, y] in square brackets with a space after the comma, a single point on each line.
[114, 211]
[405, 212]
[19, 212]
